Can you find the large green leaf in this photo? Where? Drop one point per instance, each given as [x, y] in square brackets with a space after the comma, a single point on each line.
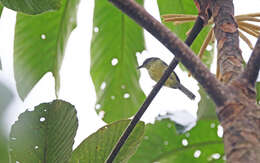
[115, 41]
[5, 99]
[162, 144]
[39, 45]
[186, 7]
[97, 147]
[45, 134]
[258, 92]
[206, 106]
[31, 6]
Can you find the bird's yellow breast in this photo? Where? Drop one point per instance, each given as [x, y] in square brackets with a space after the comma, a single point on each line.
[156, 71]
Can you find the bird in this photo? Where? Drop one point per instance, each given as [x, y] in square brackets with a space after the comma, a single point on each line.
[156, 67]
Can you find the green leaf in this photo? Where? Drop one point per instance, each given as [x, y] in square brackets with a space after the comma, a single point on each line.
[39, 45]
[6, 97]
[115, 41]
[45, 134]
[206, 106]
[1, 9]
[186, 7]
[258, 92]
[31, 6]
[162, 144]
[97, 147]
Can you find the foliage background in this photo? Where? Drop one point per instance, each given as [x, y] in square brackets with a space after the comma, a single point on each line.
[76, 84]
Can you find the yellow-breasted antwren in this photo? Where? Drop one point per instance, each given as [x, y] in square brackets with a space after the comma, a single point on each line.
[156, 67]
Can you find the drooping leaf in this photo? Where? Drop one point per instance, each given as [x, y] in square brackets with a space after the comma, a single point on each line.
[39, 45]
[115, 41]
[45, 134]
[31, 6]
[162, 144]
[258, 92]
[98, 146]
[186, 7]
[5, 99]
[206, 106]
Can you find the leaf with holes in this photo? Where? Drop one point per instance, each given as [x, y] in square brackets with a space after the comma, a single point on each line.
[186, 7]
[206, 106]
[31, 6]
[5, 99]
[45, 134]
[98, 146]
[162, 144]
[39, 45]
[115, 41]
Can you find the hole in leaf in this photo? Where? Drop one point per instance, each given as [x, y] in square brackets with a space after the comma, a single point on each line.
[114, 61]
[146, 137]
[184, 142]
[165, 142]
[215, 156]
[43, 36]
[113, 97]
[126, 95]
[36, 147]
[220, 131]
[212, 125]
[96, 29]
[42, 119]
[103, 85]
[98, 106]
[197, 153]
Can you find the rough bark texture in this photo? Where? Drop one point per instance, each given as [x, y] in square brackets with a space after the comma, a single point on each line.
[229, 54]
[240, 116]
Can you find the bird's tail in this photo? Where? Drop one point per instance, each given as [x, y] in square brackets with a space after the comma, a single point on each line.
[186, 92]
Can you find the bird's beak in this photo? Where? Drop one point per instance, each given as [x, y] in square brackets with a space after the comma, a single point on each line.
[140, 67]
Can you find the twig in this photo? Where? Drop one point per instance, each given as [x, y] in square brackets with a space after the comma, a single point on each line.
[193, 34]
[252, 69]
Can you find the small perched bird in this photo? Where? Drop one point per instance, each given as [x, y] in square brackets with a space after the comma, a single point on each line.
[156, 67]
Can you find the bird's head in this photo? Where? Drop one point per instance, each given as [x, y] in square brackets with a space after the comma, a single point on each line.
[148, 62]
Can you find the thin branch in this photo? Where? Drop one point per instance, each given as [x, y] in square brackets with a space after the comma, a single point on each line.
[191, 37]
[197, 27]
[212, 86]
[141, 111]
[252, 69]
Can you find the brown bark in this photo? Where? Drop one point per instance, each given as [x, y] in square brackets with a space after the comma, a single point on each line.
[239, 116]
[237, 110]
